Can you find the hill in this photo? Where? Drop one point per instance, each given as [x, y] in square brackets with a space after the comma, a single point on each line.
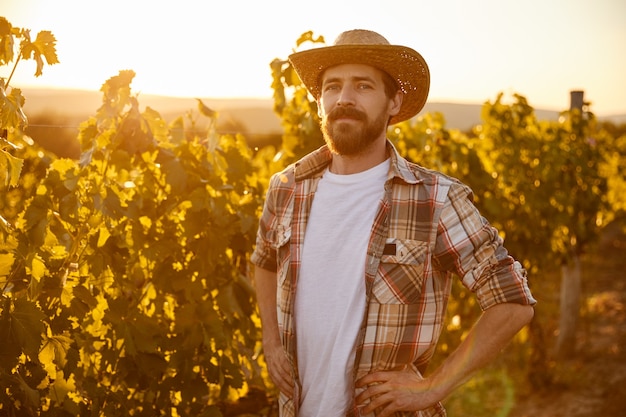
[54, 116]
[80, 104]
[58, 112]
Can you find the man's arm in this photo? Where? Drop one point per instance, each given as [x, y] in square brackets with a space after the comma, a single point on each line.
[277, 361]
[405, 391]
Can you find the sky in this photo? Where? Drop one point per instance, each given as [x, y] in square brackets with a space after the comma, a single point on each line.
[475, 49]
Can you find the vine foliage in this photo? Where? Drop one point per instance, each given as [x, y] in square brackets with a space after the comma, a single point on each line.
[124, 275]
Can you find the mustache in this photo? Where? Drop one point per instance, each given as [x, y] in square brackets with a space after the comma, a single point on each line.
[350, 112]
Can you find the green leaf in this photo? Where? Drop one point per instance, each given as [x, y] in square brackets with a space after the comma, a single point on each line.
[205, 110]
[232, 370]
[37, 268]
[27, 326]
[59, 390]
[177, 130]
[158, 126]
[7, 42]
[54, 354]
[176, 175]
[103, 235]
[30, 395]
[9, 348]
[116, 94]
[145, 332]
[152, 364]
[10, 168]
[6, 263]
[308, 37]
[11, 113]
[44, 46]
[36, 217]
[83, 294]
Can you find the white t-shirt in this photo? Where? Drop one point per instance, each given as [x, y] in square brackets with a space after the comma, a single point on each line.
[330, 295]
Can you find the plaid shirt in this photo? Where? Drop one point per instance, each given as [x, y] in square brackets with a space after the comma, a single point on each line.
[426, 230]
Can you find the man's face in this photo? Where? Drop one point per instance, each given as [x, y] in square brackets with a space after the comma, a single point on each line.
[354, 107]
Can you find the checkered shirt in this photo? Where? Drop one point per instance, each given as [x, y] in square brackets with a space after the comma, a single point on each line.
[426, 231]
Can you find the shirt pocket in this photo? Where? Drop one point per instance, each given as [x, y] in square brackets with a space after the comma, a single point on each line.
[400, 276]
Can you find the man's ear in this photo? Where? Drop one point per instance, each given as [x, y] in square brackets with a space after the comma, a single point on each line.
[319, 108]
[396, 103]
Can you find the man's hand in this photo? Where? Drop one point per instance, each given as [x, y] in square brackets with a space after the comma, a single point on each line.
[278, 364]
[391, 391]
[279, 368]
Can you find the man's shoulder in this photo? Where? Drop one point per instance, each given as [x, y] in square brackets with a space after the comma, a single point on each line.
[441, 186]
[430, 176]
[310, 165]
[284, 179]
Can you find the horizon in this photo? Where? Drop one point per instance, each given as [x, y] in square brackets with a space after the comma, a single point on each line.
[254, 116]
[565, 106]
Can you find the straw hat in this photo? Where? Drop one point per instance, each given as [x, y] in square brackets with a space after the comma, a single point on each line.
[403, 64]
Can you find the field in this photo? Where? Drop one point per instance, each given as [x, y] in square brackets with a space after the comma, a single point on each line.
[593, 382]
[590, 383]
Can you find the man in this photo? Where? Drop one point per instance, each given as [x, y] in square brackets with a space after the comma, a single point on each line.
[357, 247]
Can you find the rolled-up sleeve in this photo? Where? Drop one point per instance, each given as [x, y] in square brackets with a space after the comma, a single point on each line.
[468, 246]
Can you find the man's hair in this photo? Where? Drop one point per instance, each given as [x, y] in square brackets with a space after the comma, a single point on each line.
[391, 86]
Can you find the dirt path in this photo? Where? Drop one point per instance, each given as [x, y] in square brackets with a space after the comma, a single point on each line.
[593, 383]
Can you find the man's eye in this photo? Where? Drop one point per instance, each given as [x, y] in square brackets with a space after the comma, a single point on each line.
[364, 86]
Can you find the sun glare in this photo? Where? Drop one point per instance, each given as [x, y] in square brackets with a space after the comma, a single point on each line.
[223, 49]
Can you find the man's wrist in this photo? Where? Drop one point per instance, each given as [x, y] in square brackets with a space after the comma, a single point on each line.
[271, 342]
[439, 386]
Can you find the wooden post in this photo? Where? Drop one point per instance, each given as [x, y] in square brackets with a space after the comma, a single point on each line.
[577, 99]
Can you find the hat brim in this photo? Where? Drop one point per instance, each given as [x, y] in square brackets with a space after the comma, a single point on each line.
[403, 64]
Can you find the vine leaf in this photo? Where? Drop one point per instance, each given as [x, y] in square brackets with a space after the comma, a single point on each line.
[11, 113]
[31, 395]
[44, 46]
[12, 166]
[7, 41]
[27, 325]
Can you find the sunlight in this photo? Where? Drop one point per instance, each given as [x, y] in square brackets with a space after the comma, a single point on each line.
[223, 49]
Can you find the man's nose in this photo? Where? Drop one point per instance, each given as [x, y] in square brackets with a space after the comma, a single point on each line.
[346, 96]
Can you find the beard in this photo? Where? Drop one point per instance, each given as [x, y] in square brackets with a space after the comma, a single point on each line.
[349, 139]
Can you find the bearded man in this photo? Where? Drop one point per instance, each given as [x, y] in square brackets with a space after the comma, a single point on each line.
[357, 247]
